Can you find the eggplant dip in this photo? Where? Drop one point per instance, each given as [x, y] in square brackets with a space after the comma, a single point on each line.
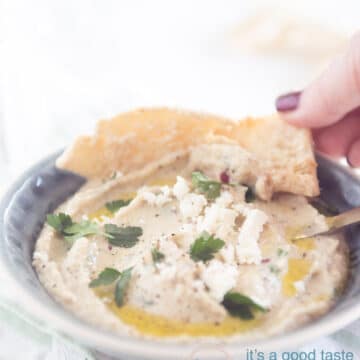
[185, 228]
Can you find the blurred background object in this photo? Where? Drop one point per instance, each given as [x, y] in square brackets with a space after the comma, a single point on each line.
[273, 32]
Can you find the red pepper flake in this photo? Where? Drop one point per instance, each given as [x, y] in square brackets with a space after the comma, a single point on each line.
[264, 261]
[224, 177]
[110, 247]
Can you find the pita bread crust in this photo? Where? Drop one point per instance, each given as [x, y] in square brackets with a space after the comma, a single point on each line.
[131, 140]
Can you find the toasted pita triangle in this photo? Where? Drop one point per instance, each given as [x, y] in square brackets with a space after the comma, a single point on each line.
[131, 140]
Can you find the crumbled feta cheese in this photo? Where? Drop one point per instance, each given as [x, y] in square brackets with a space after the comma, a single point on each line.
[217, 220]
[243, 209]
[261, 296]
[219, 278]
[192, 205]
[157, 199]
[92, 255]
[247, 248]
[198, 285]
[181, 188]
[272, 288]
[148, 196]
[167, 271]
[164, 196]
[225, 199]
[209, 221]
[259, 285]
[228, 253]
[165, 190]
[169, 249]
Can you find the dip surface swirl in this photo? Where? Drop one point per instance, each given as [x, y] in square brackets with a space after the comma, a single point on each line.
[196, 244]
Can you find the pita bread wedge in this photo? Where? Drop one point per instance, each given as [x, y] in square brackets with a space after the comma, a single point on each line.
[131, 140]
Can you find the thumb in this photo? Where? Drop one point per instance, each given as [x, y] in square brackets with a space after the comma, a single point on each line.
[327, 99]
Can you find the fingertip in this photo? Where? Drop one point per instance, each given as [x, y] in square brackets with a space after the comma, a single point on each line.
[293, 108]
[287, 106]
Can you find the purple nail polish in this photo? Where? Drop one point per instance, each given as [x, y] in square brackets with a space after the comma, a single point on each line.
[288, 102]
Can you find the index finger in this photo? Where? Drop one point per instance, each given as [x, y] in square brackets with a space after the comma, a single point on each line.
[333, 94]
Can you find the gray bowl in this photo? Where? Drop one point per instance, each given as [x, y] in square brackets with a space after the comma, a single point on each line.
[43, 187]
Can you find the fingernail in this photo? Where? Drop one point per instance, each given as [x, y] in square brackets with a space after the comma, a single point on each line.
[288, 102]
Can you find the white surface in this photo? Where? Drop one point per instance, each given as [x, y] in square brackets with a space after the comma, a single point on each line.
[65, 64]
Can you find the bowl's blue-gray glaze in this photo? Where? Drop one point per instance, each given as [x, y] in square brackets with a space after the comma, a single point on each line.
[22, 212]
[43, 187]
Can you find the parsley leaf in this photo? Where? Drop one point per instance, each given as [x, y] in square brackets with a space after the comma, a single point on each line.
[205, 246]
[106, 277]
[59, 222]
[121, 286]
[126, 236]
[81, 229]
[240, 305]
[114, 206]
[156, 255]
[210, 188]
[70, 230]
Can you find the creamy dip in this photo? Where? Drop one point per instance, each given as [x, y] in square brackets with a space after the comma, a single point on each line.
[208, 251]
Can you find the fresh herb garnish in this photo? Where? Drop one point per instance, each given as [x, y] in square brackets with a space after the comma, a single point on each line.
[323, 207]
[59, 222]
[240, 305]
[210, 188]
[70, 230]
[250, 195]
[109, 276]
[205, 246]
[106, 277]
[81, 229]
[157, 256]
[121, 286]
[114, 206]
[126, 236]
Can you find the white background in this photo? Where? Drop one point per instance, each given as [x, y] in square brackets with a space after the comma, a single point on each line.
[65, 64]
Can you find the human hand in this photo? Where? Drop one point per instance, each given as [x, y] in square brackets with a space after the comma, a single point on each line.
[330, 106]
